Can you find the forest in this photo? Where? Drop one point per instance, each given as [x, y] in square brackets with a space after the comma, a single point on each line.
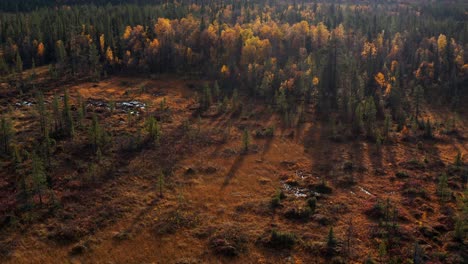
[339, 127]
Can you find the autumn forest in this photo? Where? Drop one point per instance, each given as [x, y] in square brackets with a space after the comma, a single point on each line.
[241, 131]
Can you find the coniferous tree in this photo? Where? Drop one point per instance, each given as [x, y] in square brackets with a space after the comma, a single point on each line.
[154, 131]
[98, 138]
[68, 127]
[38, 175]
[331, 242]
[418, 96]
[161, 183]
[245, 140]
[57, 115]
[6, 135]
[43, 115]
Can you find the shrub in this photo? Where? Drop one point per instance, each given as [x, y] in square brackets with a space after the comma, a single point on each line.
[299, 213]
[276, 200]
[230, 242]
[348, 165]
[282, 240]
[312, 203]
[323, 188]
[458, 160]
[401, 174]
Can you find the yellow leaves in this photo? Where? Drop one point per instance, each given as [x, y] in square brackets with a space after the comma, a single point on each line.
[315, 81]
[388, 89]
[425, 71]
[339, 32]
[102, 42]
[465, 68]
[128, 31]
[320, 34]
[394, 66]
[40, 50]
[225, 70]
[109, 55]
[383, 83]
[369, 50]
[379, 41]
[255, 50]
[154, 45]
[442, 43]
[287, 84]
[163, 28]
[405, 132]
[380, 79]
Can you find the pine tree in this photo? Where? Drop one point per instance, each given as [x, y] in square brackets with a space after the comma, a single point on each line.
[216, 90]
[82, 110]
[370, 116]
[418, 97]
[382, 251]
[206, 98]
[6, 135]
[387, 126]
[56, 113]
[43, 115]
[417, 254]
[4, 69]
[19, 64]
[331, 242]
[442, 188]
[98, 138]
[154, 131]
[160, 183]
[458, 160]
[68, 127]
[38, 175]
[428, 129]
[94, 65]
[245, 141]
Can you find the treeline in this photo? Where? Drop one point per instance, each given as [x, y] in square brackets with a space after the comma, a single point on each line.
[29, 5]
[364, 61]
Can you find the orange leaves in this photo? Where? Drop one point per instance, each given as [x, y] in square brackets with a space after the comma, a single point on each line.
[102, 42]
[255, 50]
[154, 44]
[442, 43]
[394, 66]
[339, 32]
[163, 28]
[425, 71]
[225, 70]
[383, 83]
[380, 79]
[369, 50]
[128, 31]
[405, 132]
[320, 34]
[40, 50]
[287, 84]
[315, 81]
[109, 55]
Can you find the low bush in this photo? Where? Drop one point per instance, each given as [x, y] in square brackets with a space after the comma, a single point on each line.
[282, 240]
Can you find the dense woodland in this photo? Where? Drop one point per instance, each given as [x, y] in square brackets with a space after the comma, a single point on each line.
[363, 66]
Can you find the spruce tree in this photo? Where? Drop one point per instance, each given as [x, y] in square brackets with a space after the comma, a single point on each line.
[153, 129]
[6, 135]
[38, 175]
[418, 97]
[245, 141]
[68, 127]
